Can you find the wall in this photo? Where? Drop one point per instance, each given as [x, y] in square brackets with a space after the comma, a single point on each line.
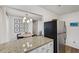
[30, 27]
[35, 27]
[3, 26]
[72, 32]
[40, 27]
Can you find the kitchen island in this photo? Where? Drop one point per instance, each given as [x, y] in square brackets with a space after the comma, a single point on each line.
[37, 44]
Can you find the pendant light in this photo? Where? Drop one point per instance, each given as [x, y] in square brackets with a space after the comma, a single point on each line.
[27, 19]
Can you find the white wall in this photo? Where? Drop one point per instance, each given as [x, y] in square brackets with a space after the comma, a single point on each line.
[30, 27]
[3, 26]
[35, 27]
[40, 26]
[72, 32]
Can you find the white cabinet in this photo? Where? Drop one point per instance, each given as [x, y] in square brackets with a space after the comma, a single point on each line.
[47, 48]
[50, 47]
[43, 49]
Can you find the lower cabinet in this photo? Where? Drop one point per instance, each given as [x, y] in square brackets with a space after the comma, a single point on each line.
[47, 48]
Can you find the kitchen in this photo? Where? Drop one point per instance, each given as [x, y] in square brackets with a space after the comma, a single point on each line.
[23, 29]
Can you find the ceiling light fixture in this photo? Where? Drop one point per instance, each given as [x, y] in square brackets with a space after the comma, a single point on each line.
[27, 19]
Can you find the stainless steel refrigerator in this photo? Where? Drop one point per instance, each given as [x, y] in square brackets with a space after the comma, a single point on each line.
[56, 30]
[61, 36]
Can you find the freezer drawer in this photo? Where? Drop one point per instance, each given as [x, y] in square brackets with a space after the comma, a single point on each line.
[61, 40]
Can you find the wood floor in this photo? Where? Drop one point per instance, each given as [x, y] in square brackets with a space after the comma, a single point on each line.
[69, 49]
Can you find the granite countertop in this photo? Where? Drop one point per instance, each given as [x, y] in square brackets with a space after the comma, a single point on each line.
[24, 45]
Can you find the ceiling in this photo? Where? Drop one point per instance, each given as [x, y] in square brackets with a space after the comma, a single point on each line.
[61, 9]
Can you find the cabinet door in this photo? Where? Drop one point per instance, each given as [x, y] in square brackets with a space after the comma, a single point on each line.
[50, 47]
[44, 48]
